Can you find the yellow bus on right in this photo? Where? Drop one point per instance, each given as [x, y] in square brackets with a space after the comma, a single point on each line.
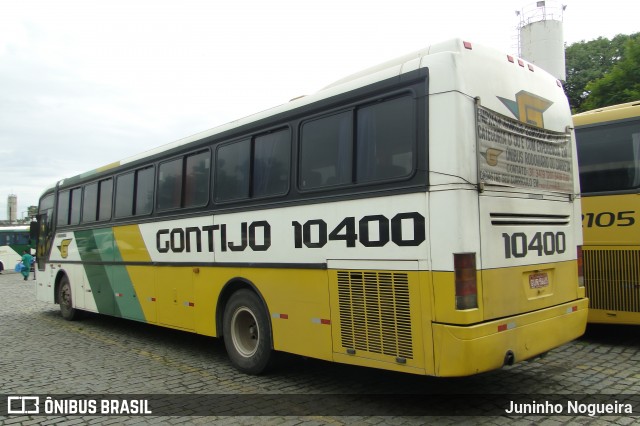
[608, 143]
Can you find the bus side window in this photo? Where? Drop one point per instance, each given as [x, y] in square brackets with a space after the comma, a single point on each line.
[326, 151]
[76, 199]
[106, 199]
[90, 203]
[124, 195]
[232, 171]
[134, 193]
[196, 179]
[184, 181]
[170, 184]
[63, 208]
[271, 164]
[385, 140]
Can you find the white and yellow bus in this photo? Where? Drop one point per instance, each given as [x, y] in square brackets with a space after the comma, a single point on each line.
[419, 216]
[608, 141]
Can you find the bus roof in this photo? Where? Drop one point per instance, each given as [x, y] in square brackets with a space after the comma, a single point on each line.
[431, 56]
[610, 113]
[371, 75]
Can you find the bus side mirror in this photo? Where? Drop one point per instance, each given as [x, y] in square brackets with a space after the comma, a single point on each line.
[33, 231]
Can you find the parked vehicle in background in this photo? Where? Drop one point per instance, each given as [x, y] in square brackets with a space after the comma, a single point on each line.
[608, 141]
[13, 241]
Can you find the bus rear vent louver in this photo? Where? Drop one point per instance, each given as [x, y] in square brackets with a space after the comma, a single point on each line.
[612, 279]
[374, 312]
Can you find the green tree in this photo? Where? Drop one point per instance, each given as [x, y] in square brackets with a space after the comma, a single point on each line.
[588, 61]
[621, 84]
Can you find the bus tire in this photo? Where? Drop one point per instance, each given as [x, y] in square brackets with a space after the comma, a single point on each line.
[66, 301]
[247, 332]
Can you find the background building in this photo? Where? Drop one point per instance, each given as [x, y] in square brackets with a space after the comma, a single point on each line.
[12, 208]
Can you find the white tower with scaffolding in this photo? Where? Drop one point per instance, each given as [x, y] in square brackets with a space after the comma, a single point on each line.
[540, 36]
[12, 208]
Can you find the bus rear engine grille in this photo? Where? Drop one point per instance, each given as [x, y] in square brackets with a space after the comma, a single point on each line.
[509, 219]
[374, 312]
[612, 279]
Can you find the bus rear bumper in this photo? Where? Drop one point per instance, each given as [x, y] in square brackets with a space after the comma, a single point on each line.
[463, 351]
[606, 316]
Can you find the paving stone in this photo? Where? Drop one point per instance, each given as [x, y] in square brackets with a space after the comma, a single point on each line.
[101, 356]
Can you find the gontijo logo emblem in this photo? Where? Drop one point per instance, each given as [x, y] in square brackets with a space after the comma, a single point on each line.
[64, 247]
[528, 107]
[491, 155]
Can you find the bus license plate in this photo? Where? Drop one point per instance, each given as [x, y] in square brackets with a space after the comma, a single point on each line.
[538, 280]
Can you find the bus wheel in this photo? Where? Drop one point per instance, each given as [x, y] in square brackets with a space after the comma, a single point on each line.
[66, 302]
[247, 332]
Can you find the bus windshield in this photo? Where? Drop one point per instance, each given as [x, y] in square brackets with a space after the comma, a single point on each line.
[609, 157]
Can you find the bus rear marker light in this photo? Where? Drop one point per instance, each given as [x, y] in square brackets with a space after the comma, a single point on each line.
[505, 327]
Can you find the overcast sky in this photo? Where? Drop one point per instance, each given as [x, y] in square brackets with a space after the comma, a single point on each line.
[84, 83]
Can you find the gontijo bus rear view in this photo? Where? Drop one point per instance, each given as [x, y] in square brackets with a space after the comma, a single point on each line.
[419, 216]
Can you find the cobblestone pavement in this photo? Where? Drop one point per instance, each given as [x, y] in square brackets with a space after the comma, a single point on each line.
[42, 354]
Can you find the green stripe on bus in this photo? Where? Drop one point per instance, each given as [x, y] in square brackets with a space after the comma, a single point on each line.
[126, 298]
[110, 285]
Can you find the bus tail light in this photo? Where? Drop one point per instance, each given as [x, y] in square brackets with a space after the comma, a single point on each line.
[464, 265]
[580, 267]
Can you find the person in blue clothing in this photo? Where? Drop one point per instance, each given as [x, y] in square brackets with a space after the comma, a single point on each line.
[26, 264]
